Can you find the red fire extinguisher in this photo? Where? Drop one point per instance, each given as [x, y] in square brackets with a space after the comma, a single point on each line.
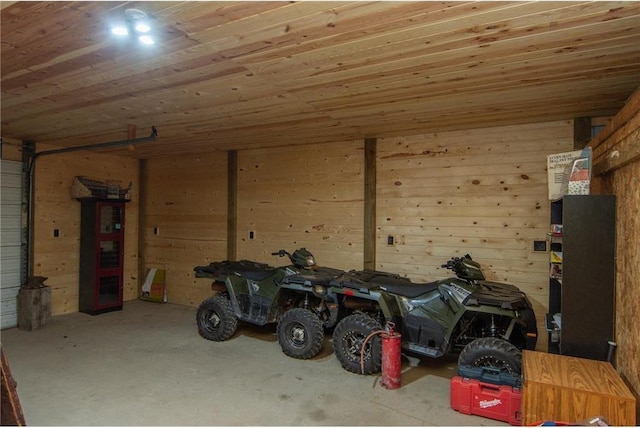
[391, 357]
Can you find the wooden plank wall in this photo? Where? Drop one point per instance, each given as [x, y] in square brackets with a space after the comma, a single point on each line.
[309, 197]
[186, 203]
[55, 208]
[11, 149]
[482, 192]
[617, 155]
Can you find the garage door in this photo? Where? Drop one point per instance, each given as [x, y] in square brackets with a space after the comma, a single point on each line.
[10, 238]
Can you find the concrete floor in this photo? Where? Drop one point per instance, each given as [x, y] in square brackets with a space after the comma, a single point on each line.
[147, 365]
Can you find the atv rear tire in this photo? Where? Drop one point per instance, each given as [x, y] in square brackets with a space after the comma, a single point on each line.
[300, 333]
[215, 318]
[348, 337]
[492, 352]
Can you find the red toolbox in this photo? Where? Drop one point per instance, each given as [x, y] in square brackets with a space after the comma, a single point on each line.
[473, 397]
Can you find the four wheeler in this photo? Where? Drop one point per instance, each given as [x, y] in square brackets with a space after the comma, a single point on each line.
[253, 292]
[487, 322]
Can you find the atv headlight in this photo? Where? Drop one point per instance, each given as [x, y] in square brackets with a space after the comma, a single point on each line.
[319, 290]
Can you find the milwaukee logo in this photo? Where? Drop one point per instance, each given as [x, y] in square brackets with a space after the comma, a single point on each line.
[490, 403]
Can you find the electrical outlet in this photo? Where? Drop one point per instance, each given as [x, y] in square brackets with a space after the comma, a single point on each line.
[156, 230]
[252, 235]
[56, 233]
[391, 240]
[539, 245]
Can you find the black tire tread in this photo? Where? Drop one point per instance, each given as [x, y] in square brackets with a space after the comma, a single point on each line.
[365, 325]
[228, 322]
[494, 346]
[314, 329]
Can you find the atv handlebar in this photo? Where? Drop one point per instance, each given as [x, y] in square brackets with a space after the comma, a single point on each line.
[281, 253]
[451, 264]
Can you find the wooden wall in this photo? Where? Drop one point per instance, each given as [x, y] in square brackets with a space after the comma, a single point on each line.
[302, 197]
[482, 192]
[11, 149]
[290, 198]
[185, 201]
[617, 161]
[55, 208]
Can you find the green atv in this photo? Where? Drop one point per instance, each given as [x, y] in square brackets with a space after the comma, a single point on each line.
[254, 292]
[487, 322]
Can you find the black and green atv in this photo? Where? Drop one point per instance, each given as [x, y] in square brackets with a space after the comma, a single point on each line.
[487, 322]
[254, 292]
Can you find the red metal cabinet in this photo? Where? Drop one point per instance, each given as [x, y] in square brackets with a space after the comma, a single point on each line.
[101, 255]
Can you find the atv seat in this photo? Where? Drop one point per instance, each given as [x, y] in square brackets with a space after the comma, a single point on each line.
[409, 290]
[255, 275]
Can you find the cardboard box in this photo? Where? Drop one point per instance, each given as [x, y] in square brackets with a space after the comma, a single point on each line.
[153, 288]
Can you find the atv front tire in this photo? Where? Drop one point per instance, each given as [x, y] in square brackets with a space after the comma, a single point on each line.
[300, 333]
[215, 318]
[492, 352]
[348, 337]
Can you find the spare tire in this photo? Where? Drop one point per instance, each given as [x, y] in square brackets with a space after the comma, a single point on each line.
[492, 352]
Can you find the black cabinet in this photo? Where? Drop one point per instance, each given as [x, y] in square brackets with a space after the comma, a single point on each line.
[582, 284]
[101, 255]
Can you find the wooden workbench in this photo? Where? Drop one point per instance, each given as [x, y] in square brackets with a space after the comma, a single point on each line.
[570, 389]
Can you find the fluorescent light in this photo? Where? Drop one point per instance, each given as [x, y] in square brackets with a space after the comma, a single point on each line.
[142, 27]
[147, 40]
[119, 31]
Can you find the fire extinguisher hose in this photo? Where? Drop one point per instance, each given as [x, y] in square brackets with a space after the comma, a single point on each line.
[364, 344]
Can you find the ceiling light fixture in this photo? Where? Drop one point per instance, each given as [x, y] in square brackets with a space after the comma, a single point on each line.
[147, 40]
[135, 14]
[120, 30]
[136, 24]
[142, 27]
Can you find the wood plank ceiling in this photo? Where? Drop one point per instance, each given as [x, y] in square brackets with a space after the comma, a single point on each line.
[235, 75]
